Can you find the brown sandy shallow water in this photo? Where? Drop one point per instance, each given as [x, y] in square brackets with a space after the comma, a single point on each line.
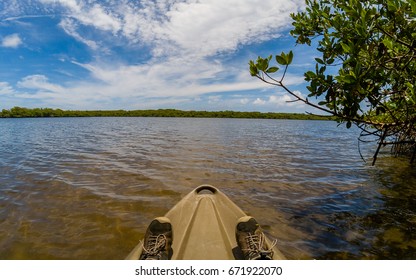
[86, 188]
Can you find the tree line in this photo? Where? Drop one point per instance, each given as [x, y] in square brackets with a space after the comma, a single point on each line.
[21, 112]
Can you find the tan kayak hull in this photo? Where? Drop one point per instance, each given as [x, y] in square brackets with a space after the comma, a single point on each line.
[204, 224]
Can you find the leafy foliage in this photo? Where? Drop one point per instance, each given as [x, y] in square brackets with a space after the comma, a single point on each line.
[19, 112]
[366, 72]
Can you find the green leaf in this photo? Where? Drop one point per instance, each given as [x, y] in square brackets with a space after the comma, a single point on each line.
[309, 75]
[320, 61]
[388, 43]
[289, 58]
[346, 47]
[411, 93]
[284, 59]
[253, 69]
[348, 78]
[272, 70]
[413, 5]
[393, 5]
[280, 59]
[262, 64]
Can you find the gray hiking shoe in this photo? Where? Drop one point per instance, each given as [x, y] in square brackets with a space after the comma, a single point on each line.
[251, 240]
[158, 240]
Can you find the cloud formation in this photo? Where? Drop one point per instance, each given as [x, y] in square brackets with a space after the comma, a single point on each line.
[282, 99]
[11, 41]
[203, 27]
[189, 45]
[38, 82]
[5, 89]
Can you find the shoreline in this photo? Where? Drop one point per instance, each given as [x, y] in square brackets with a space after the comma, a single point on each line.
[20, 112]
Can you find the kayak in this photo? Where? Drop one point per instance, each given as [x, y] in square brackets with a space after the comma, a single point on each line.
[204, 224]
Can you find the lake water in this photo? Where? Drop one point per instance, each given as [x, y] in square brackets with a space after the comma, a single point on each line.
[86, 188]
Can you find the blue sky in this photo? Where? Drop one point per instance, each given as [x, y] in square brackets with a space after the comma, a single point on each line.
[143, 54]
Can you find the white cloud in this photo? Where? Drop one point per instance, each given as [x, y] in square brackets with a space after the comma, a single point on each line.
[203, 27]
[174, 76]
[70, 27]
[214, 26]
[259, 101]
[183, 37]
[281, 100]
[6, 89]
[100, 18]
[39, 83]
[11, 41]
[91, 15]
[187, 26]
[244, 101]
[167, 83]
[214, 99]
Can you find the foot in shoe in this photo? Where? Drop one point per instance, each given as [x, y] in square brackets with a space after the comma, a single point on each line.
[251, 240]
[158, 240]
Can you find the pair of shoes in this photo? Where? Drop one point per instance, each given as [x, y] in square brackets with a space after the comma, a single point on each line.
[158, 240]
[251, 240]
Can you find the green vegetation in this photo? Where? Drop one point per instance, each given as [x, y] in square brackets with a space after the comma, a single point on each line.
[366, 72]
[19, 112]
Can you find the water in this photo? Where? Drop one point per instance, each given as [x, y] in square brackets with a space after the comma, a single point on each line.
[86, 188]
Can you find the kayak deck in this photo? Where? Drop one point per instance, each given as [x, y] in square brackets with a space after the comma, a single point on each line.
[204, 224]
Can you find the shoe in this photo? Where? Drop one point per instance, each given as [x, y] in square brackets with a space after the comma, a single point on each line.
[158, 240]
[251, 240]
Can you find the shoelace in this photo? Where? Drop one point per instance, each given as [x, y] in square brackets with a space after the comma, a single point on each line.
[154, 245]
[255, 246]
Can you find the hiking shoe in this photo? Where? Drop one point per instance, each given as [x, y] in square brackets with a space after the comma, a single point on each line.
[158, 240]
[251, 240]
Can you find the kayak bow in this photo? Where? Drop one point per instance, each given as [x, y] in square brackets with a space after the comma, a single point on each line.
[204, 224]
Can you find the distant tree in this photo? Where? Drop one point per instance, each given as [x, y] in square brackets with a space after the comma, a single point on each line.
[366, 72]
[18, 112]
[5, 113]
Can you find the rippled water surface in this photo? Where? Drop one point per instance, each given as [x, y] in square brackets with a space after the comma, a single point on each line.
[86, 188]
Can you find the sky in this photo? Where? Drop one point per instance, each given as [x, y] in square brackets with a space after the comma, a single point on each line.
[146, 54]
